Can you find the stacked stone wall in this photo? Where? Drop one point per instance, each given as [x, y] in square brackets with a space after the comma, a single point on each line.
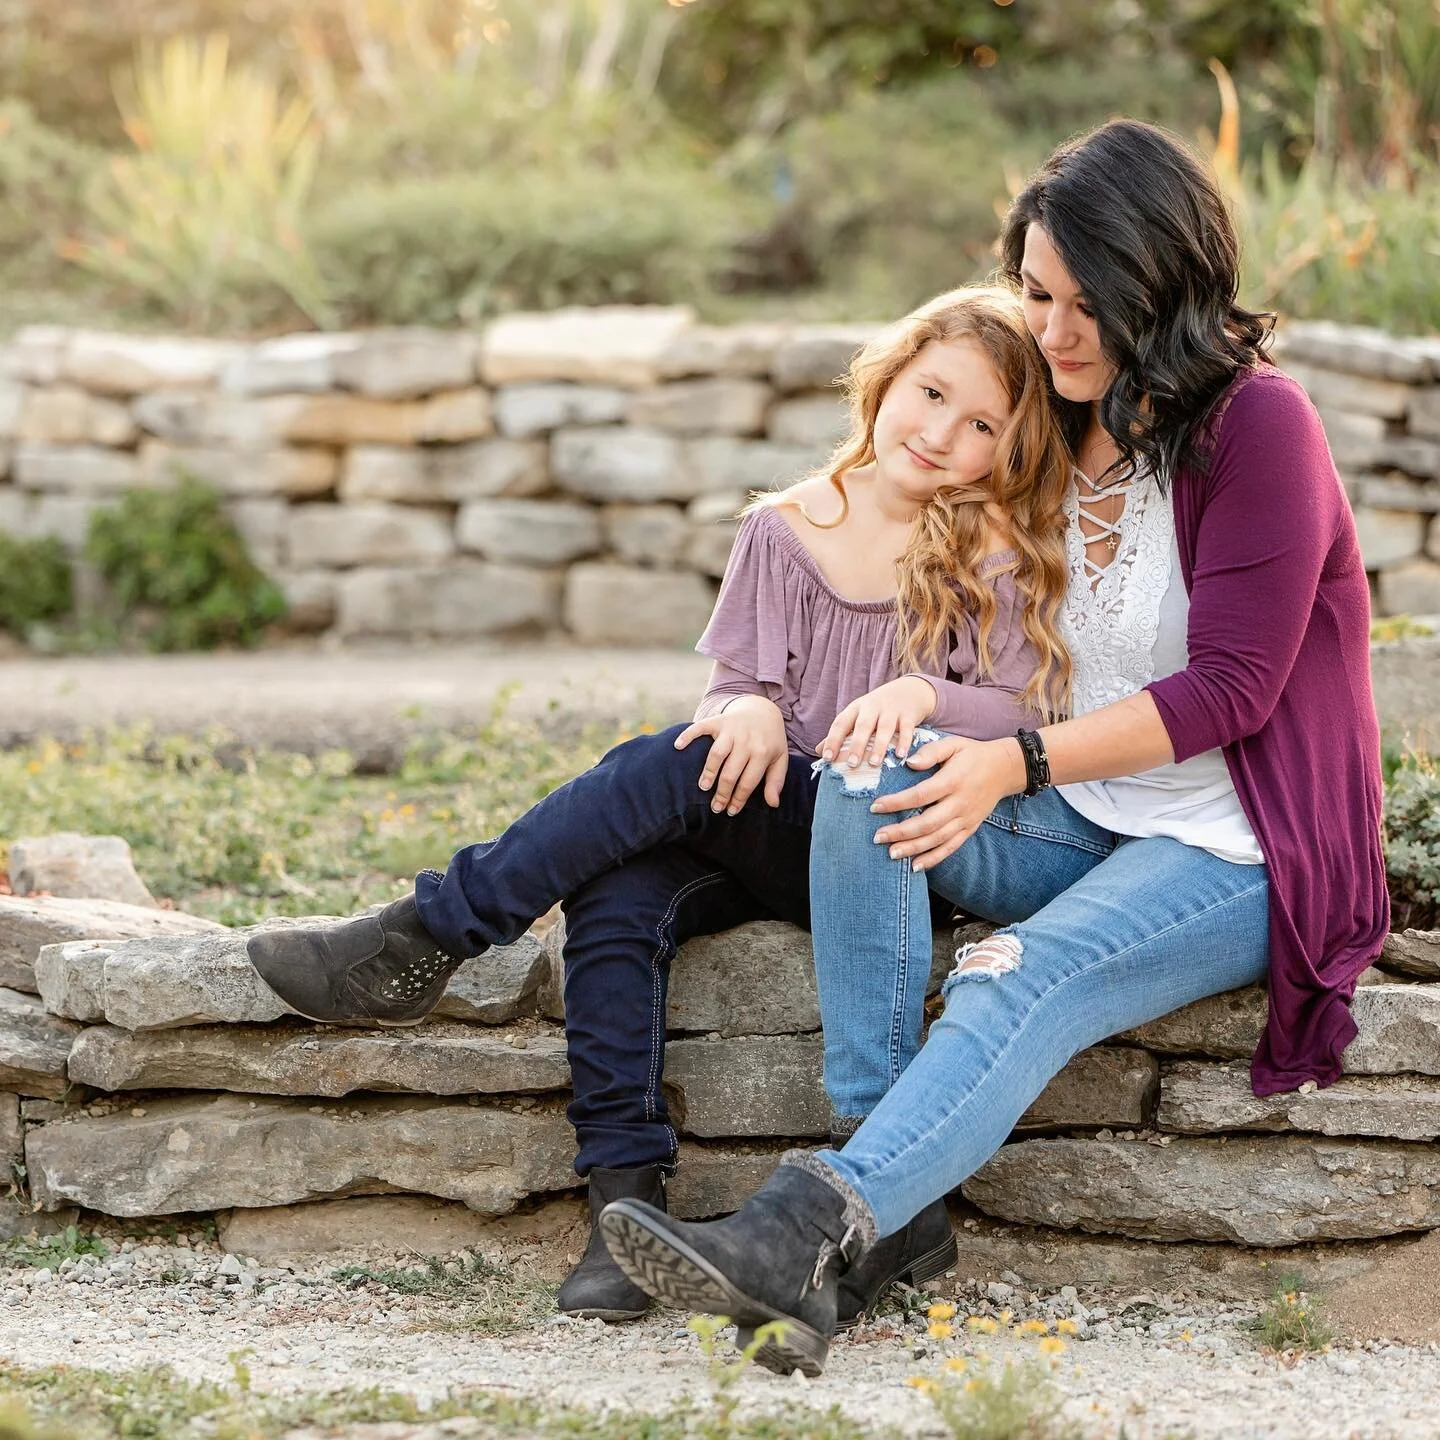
[577, 472]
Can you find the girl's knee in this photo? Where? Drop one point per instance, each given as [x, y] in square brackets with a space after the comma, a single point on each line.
[872, 778]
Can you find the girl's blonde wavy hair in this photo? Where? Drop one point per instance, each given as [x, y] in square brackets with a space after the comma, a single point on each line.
[939, 571]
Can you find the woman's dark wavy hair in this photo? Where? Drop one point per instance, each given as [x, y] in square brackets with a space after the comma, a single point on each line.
[1140, 224]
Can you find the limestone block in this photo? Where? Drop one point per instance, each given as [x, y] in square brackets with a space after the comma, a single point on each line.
[815, 356]
[402, 363]
[715, 406]
[1388, 537]
[339, 419]
[262, 523]
[211, 1153]
[12, 1137]
[614, 462]
[713, 1179]
[13, 402]
[1408, 952]
[721, 506]
[33, 354]
[646, 534]
[367, 534]
[1201, 1099]
[1106, 1085]
[488, 468]
[1412, 454]
[1357, 442]
[529, 532]
[64, 415]
[387, 472]
[296, 471]
[1333, 389]
[708, 550]
[1274, 1190]
[438, 1058]
[757, 979]
[311, 596]
[1394, 491]
[747, 349]
[750, 1086]
[606, 344]
[498, 985]
[452, 416]
[1412, 588]
[523, 411]
[16, 510]
[34, 1046]
[134, 364]
[464, 599]
[74, 467]
[813, 421]
[29, 923]
[622, 605]
[1352, 349]
[80, 867]
[1425, 412]
[200, 417]
[723, 463]
[170, 981]
[286, 364]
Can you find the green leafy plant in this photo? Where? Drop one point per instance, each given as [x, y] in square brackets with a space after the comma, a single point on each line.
[178, 571]
[48, 1251]
[208, 205]
[34, 582]
[1412, 842]
[1292, 1320]
[980, 1400]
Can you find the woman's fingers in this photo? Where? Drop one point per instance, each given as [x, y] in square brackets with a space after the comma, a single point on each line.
[775, 774]
[731, 772]
[718, 751]
[946, 845]
[750, 777]
[695, 731]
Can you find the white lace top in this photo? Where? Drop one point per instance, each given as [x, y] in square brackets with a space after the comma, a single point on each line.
[1125, 625]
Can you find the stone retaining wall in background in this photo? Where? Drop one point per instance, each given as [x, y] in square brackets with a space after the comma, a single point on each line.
[571, 472]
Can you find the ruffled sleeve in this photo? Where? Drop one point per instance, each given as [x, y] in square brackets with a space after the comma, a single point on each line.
[747, 636]
[989, 707]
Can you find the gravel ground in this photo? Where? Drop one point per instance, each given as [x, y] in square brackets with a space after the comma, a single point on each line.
[1156, 1365]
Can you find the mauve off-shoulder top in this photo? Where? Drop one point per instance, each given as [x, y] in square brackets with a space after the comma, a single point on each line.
[781, 630]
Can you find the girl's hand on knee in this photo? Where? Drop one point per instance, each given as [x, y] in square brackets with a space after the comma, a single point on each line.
[748, 746]
[971, 778]
[884, 717]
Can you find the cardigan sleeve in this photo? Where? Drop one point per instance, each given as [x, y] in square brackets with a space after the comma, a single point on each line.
[1271, 502]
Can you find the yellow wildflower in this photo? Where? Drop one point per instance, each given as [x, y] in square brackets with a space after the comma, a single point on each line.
[941, 1311]
[982, 1324]
[939, 1330]
[1006, 1316]
[1033, 1327]
[1066, 1327]
[957, 1364]
[923, 1383]
[1051, 1346]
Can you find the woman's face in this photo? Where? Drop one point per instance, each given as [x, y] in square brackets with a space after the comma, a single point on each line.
[1062, 322]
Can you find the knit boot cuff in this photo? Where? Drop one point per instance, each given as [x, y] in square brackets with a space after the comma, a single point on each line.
[856, 1212]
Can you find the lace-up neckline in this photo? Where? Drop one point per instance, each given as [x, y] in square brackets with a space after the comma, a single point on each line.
[1088, 494]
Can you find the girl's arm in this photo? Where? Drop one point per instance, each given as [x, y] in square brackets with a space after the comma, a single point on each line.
[1271, 511]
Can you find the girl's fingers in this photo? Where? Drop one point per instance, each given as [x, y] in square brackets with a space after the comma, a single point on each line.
[718, 751]
[835, 736]
[861, 735]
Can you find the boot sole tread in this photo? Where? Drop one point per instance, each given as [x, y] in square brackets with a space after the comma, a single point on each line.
[675, 1274]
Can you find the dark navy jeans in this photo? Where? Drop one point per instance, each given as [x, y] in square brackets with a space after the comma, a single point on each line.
[641, 864]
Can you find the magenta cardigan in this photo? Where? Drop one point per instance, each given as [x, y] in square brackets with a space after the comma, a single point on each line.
[1279, 675]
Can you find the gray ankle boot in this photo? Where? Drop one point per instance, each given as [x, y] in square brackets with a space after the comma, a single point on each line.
[776, 1258]
[596, 1289]
[383, 969]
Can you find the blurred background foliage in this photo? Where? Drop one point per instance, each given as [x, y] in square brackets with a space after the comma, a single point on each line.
[256, 165]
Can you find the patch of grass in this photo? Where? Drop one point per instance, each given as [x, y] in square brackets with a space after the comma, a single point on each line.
[497, 1299]
[240, 835]
[978, 1399]
[1292, 1320]
[48, 1251]
[156, 1404]
[1392, 628]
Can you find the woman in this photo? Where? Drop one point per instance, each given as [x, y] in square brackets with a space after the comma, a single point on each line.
[1218, 810]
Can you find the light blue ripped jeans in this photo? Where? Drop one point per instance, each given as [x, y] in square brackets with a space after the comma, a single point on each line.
[1101, 933]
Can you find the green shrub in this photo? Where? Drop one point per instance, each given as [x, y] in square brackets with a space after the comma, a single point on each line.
[1412, 843]
[34, 582]
[178, 572]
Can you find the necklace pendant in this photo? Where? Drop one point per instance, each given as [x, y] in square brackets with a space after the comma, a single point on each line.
[1111, 543]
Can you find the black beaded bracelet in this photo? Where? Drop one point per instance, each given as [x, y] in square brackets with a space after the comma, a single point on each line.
[1037, 763]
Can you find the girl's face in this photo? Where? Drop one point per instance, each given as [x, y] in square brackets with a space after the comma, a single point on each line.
[1062, 322]
[940, 419]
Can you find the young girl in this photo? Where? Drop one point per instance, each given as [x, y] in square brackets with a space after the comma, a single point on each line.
[945, 498]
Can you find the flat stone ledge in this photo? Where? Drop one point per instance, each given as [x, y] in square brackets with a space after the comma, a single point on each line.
[34, 1046]
[1206, 1099]
[1413, 953]
[1280, 1190]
